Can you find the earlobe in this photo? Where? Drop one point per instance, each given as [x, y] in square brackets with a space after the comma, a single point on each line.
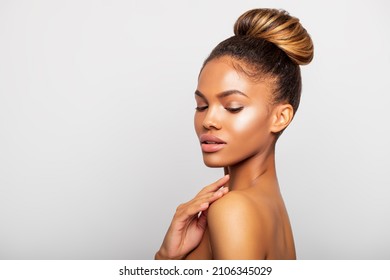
[282, 116]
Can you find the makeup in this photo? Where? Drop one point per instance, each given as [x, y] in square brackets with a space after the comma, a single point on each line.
[211, 143]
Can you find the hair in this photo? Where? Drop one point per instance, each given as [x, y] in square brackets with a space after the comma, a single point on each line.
[269, 43]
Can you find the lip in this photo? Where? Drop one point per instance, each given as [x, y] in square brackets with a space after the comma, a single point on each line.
[211, 143]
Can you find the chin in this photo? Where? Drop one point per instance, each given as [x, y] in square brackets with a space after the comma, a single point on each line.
[213, 165]
[214, 162]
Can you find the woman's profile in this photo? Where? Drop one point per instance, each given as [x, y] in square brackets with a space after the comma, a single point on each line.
[248, 92]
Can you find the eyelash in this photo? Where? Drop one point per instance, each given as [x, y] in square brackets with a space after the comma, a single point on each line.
[234, 110]
[231, 110]
[201, 108]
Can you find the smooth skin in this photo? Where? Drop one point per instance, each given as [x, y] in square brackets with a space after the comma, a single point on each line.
[189, 222]
[250, 221]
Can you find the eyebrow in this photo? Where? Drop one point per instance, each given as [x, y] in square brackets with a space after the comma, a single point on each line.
[223, 93]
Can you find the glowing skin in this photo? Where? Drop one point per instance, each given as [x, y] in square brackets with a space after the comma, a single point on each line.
[249, 222]
[234, 109]
[237, 122]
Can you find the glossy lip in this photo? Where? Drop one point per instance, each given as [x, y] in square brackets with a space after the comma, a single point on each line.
[211, 147]
[210, 138]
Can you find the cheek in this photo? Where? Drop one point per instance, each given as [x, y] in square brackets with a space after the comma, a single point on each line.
[249, 123]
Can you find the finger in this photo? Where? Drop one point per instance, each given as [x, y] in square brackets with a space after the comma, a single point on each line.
[209, 197]
[190, 209]
[198, 204]
[216, 185]
[218, 194]
[203, 202]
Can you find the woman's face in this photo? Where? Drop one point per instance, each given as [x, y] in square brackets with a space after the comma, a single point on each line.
[233, 114]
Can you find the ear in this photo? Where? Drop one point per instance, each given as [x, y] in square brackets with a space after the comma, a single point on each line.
[282, 115]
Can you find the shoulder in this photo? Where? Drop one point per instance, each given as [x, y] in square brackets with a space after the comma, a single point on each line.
[233, 203]
[235, 228]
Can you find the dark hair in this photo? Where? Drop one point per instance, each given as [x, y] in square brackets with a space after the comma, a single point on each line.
[269, 43]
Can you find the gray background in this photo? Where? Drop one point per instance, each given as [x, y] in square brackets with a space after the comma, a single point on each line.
[97, 146]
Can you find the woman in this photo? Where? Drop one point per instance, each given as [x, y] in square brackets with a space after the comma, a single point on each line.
[248, 92]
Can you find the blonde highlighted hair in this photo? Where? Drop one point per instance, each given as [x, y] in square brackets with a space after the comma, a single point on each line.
[279, 28]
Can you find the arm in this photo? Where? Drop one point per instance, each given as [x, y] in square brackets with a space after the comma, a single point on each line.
[235, 229]
[187, 226]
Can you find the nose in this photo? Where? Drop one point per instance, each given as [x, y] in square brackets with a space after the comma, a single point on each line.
[211, 121]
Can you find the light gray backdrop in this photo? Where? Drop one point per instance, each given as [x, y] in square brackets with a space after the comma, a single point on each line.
[97, 146]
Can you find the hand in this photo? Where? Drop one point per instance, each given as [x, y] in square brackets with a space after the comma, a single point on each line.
[189, 222]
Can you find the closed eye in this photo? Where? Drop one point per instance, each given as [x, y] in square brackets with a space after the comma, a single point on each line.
[234, 109]
[201, 108]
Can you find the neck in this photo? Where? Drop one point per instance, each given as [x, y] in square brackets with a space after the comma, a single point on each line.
[256, 171]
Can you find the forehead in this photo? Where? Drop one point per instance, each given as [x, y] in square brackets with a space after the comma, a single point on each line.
[223, 74]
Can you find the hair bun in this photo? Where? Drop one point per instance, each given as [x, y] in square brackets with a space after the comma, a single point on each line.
[278, 27]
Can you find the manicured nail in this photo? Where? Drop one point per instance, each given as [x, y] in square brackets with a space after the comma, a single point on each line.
[218, 193]
[204, 205]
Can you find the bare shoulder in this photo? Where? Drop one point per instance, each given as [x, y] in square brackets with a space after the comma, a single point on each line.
[233, 203]
[236, 228]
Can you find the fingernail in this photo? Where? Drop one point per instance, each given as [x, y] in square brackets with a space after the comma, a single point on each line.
[204, 205]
